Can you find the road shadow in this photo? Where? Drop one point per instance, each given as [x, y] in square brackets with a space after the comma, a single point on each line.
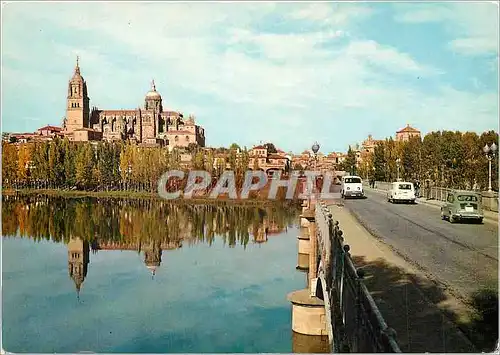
[421, 312]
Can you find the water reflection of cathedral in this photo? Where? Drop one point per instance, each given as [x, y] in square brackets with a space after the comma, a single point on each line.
[262, 231]
[79, 254]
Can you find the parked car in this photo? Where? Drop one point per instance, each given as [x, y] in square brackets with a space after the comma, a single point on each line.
[352, 186]
[401, 191]
[462, 205]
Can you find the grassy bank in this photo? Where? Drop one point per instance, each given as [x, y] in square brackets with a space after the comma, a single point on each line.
[223, 200]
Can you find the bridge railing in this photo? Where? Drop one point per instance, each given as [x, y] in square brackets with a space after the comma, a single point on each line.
[357, 324]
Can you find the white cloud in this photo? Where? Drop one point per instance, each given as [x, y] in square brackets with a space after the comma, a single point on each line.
[331, 14]
[474, 25]
[390, 58]
[475, 45]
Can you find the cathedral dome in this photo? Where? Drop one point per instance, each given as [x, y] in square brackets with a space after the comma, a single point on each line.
[153, 94]
[77, 77]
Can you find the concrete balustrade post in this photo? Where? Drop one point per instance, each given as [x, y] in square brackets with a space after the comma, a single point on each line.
[304, 248]
[313, 257]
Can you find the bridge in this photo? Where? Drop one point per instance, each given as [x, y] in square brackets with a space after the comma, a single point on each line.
[336, 302]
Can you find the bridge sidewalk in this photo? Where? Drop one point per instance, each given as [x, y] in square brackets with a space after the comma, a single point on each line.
[489, 215]
[410, 303]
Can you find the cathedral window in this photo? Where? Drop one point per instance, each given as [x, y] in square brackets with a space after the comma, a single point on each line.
[187, 138]
[176, 139]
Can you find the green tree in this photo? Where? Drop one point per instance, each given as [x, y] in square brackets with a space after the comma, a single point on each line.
[209, 161]
[68, 150]
[41, 164]
[56, 163]
[349, 164]
[271, 148]
[199, 160]
[379, 162]
[232, 159]
[84, 166]
[234, 146]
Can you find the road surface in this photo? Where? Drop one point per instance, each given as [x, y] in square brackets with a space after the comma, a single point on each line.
[464, 257]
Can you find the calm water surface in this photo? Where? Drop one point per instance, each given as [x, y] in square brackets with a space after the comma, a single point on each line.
[124, 276]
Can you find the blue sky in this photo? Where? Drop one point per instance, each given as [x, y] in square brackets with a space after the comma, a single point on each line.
[290, 73]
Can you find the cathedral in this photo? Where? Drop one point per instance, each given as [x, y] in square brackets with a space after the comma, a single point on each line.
[149, 125]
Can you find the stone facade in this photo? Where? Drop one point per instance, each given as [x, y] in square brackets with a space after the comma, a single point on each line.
[369, 144]
[260, 157]
[149, 125]
[406, 133]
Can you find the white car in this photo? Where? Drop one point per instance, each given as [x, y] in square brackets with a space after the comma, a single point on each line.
[401, 191]
[352, 186]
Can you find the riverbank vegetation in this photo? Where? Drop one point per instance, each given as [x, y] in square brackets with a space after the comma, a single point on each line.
[61, 167]
[451, 159]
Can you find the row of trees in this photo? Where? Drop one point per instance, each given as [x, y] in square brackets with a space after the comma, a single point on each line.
[105, 166]
[445, 158]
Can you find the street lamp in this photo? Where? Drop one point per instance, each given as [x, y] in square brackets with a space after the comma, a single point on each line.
[490, 154]
[315, 149]
[398, 161]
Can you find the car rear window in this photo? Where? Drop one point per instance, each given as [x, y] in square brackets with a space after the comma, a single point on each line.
[352, 180]
[467, 198]
[404, 186]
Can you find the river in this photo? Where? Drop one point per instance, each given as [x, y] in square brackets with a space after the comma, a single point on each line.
[109, 275]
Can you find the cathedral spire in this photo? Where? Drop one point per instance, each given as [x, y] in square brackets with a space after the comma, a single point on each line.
[153, 86]
[77, 68]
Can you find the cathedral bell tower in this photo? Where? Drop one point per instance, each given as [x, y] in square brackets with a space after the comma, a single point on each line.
[78, 260]
[77, 103]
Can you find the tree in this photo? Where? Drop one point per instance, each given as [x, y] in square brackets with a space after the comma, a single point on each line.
[379, 162]
[349, 164]
[411, 158]
[242, 167]
[470, 159]
[256, 164]
[9, 163]
[192, 148]
[24, 162]
[432, 155]
[126, 164]
[270, 148]
[56, 163]
[105, 166]
[84, 166]
[234, 146]
[209, 161]
[199, 160]
[232, 159]
[41, 164]
[69, 162]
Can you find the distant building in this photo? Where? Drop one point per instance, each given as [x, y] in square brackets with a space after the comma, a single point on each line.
[269, 162]
[369, 144]
[406, 133]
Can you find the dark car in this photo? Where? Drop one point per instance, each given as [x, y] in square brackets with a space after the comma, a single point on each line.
[462, 205]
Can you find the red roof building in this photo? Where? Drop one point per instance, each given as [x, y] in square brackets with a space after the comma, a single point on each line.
[406, 133]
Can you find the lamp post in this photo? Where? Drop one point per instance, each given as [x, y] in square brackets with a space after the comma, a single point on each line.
[490, 154]
[315, 148]
[398, 161]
